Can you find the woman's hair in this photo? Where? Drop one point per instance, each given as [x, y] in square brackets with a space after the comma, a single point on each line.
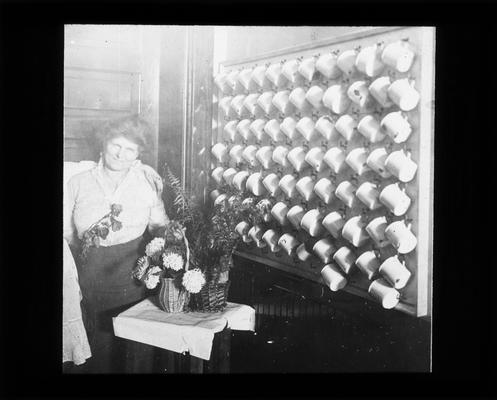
[133, 128]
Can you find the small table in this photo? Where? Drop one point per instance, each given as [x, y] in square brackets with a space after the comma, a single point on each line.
[190, 332]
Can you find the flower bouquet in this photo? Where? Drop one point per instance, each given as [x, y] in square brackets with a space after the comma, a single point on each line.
[167, 262]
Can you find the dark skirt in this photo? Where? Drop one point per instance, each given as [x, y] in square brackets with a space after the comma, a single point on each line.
[109, 289]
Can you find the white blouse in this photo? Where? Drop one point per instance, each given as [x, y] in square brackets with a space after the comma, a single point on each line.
[88, 197]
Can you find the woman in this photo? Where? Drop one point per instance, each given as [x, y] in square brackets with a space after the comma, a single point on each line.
[118, 182]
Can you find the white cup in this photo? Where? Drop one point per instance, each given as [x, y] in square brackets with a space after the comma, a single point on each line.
[217, 174]
[401, 237]
[221, 83]
[290, 69]
[314, 96]
[327, 65]
[397, 126]
[249, 155]
[297, 98]
[336, 99]
[289, 127]
[220, 151]
[244, 77]
[221, 199]
[255, 233]
[305, 127]
[236, 153]
[225, 104]
[265, 156]
[288, 185]
[274, 74]
[346, 61]
[288, 242]
[345, 258]
[324, 125]
[272, 129]
[368, 193]
[333, 278]
[271, 183]
[302, 253]
[346, 125]
[395, 272]
[230, 129]
[280, 155]
[376, 230]
[345, 192]
[398, 55]
[369, 62]
[400, 165]
[368, 263]
[324, 189]
[312, 222]
[359, 94]
[384, 293]
[254, 184]
[295, 215]
[334, 222]
[232, 78]
[379, 90]
[376, 161]
[403, 93]
[281, 100]
[395, 199]
[237, 104]
[229, 174]
[335, 158]
[265, 101]
[257, 128]
[271, 237]
[370, 128]
[314, 158]
[240, 180]
[214, 194]
[296, 156]
[307, 67]
[242, 228]
[279, 212]
[259, 75]
[353, 231]
[250, 102]
[356, 159]
[324, 249]
[305, 186]
[243, 127]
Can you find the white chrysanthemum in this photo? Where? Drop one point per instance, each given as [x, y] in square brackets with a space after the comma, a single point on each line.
[155, 246]
[193, 280]
[152, 278]
[172, 260]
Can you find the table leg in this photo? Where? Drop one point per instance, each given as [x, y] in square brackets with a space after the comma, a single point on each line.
[224, 351]
[196, 365]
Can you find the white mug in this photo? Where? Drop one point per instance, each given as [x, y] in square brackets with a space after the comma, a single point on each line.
[369, 62]
[376, 230]
[254, 184]
[244, 77]
[397, 126]
[334, 222]
[336, 99]
[371, 129]
[295, 215]
[279, 212]
[236, 153]
[271, 237]
[243, 127]
[281, 100]
[324, 249]
[214, 194]
[359, 94]
[314, 96]
[232, 78]
[297, 97]
[265, 156]
[289, 70]
[242, 228]
[346, 61]
[384, 293]
[271, 183]
[225, 104]
[273, 73]
[289, 127]
[345, 258]
[324, 125]
[376, 161]
[395, 272]
[400, 236]
[333, 278]
[257, 128]
[256, 233]
[250, 102]
[335, 158]
[395, 199]
[296, 156]
[324, 189]
[259, 75]
[265, 101]
[288, 242]
[272, 129]
[403, 93]
[230, 129]
[229, 174]
[353, 231]
[379, 90]
[280, 155]
[249, 155]
[305, 186]
[240, 180]
[221, 199]
[368, 263]
[314, 158]
[368, 193]
[346, 125]
[302, 253]
[288, 185]
[356, 159]
[400, 165]
[217, 174]
[327, 65]
[307, 67]
[220, 151]
[305, 127]
[312, 222]
[345, 192]
[398, 55]
[221, 83]
[237, 104]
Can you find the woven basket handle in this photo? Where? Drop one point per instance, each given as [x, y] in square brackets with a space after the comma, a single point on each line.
[187, 263]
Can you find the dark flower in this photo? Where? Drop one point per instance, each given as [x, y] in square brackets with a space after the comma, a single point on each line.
[116, 209]
[116, 225]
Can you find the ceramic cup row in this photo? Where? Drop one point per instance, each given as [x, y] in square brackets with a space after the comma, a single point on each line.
[337, 98]
[397, 163]
[370, 60]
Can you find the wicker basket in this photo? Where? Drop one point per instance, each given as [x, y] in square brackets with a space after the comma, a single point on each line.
[212, 297]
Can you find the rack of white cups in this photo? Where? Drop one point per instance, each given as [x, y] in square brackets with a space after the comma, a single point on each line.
[326, 142]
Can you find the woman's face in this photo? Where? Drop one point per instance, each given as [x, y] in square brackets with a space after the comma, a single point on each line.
[120, 153]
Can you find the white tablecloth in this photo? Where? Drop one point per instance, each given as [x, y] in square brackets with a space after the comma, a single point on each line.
[191, 332]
